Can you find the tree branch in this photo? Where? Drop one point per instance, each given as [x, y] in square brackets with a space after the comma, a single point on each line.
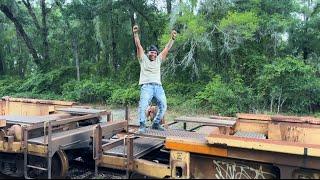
[22, 33]
[32, 14]
[45, 30]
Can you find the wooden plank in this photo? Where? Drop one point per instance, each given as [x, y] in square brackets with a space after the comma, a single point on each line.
[3, 123]
[266, 145]
[207, 121]
[262, 117]
[194, 146]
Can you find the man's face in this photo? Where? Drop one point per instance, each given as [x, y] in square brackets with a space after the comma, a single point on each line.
[152, 55]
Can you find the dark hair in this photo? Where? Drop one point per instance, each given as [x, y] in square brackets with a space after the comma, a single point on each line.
[153, 48]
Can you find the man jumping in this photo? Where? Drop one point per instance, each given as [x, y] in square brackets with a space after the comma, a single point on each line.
[150, 80]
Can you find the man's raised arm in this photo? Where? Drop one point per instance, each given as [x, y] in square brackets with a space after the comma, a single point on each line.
[165, 51]
[140, 50]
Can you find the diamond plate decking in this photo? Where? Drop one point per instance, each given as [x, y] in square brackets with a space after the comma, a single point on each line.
[250, 135]
[172, 133]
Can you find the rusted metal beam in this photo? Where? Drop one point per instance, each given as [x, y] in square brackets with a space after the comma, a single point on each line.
[97, 147]
[296, 119]
[110, 145]
[300, 161]
[262, 117]
[40, 101]
[266, 145]
[129, 152]
[81, 111]
[207, 121]
[223, 117]
[79, 137]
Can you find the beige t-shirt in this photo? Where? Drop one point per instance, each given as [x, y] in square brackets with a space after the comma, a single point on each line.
[149, 70]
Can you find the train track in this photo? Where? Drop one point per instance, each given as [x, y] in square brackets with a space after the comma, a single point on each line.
[80, 170]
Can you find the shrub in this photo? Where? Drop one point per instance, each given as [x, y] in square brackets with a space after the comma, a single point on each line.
[126, 95]
[49, 82]
[87, 91]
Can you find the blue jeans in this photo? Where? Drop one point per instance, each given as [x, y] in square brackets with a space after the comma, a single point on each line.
[148, 91]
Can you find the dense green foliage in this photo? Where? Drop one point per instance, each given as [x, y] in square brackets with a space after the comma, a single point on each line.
[229, 56]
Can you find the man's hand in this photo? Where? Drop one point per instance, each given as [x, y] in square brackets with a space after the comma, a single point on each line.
[173, 35]
[165, 51]
[135, 29]
[140, 50]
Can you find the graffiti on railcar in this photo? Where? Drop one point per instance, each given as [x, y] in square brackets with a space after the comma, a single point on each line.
[232, 170]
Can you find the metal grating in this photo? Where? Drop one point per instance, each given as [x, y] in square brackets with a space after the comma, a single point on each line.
[208, 121]
[141, 146]
[250, 135]
[173, 133]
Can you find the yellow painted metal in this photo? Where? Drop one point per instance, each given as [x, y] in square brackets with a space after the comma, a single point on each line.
[180, 164]
[147, 168]
[151, 169]
[267, 145]
[16, 147]
[3, 123]
[194, 146]
[113, 162]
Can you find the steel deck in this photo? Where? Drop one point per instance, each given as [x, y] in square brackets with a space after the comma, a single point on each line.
[12, 119]
[207, 121]
[141, 146]
[172, 133]
[81, 110]
[250, 135]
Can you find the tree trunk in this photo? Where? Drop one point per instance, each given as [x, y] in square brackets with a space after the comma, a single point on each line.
[32, 14]
[113, 40]
[23, 34]
[1, 62]
[271, 103]
[75, 54]
[45, 33]
[169, 6]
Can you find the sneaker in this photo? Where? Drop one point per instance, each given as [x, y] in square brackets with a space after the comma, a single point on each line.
[157, 127]
[142, 128]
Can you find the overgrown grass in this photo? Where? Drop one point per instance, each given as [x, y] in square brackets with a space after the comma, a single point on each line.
[215, 97]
